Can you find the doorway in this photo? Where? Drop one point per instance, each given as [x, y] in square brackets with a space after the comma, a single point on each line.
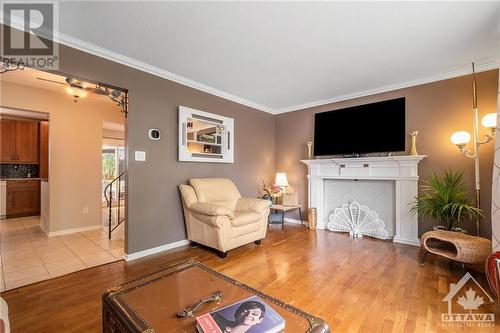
[66, 234]
[113, 186]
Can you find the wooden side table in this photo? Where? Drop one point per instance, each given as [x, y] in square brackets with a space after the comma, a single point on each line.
[283, 209]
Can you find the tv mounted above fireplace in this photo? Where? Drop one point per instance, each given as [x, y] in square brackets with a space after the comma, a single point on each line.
[368, 128]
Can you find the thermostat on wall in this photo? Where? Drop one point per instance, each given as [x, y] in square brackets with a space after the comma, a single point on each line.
[154, 134]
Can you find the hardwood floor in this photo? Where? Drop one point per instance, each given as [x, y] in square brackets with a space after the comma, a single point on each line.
[356, 285]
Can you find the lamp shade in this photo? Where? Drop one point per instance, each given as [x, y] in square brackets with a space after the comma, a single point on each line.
[281, 180]
[489, 120]
[460, 138]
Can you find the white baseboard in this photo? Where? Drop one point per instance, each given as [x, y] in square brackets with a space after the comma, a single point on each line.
[412, 242]
[295, 221]
[73, 230]
[154, 250]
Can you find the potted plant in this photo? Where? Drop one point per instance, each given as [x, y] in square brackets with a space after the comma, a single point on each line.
[446, 199]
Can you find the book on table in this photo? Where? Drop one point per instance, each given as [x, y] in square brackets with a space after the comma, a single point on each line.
[251, 315]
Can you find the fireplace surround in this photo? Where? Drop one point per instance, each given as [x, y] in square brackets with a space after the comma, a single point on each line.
[401, 170]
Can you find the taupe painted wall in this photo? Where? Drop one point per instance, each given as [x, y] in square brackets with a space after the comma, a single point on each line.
[154, 209]
[264, 143]
[436, 110]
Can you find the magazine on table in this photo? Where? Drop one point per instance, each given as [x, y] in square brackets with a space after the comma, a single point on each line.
[251, 315]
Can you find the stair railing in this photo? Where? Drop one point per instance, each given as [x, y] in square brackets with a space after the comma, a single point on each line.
[109, 200]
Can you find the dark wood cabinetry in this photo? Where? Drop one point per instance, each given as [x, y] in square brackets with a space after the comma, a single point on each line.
[23, 198]
[19, 141]
[8, 137]
[27, 141]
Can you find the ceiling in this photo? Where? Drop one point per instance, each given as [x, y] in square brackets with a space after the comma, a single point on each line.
[44, 80]
[30, 77]
[112, 126]
[47, 81]
[284, 56]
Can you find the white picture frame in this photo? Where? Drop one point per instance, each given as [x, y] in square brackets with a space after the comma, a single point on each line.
[205, 137]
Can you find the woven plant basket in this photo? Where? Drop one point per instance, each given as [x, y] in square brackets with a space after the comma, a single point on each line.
[457, 246]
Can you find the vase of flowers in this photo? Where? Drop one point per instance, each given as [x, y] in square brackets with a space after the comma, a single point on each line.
[271, 192]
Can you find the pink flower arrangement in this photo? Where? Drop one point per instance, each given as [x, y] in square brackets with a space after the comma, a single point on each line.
[271, 190]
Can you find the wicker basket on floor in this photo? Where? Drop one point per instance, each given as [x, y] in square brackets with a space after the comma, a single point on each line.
[457, 246]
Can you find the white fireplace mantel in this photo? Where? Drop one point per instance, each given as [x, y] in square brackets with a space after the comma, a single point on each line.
[403, 170]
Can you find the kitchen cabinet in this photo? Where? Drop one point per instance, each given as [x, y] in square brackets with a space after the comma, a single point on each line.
[23, 198]
[27, 141]
[8, 137]
[19, 141]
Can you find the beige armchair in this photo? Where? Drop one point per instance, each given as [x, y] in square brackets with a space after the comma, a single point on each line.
[218, 217]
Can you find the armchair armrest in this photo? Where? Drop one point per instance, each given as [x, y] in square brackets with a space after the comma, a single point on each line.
[252, 205]
[188, 195]
[211, 209]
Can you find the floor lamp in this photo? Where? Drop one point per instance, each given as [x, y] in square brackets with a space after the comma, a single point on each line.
[462, 138]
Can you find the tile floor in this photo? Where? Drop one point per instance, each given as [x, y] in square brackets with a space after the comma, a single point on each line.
[28, 255]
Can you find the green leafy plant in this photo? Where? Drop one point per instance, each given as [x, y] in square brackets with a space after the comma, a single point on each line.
[108, 166]
[446, 199]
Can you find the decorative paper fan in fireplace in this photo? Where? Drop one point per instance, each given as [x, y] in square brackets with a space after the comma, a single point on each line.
[357, 220]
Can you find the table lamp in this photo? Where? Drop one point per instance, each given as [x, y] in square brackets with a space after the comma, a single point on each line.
[281, 180]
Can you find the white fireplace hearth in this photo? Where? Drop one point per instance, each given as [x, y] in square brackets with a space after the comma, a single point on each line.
[388, 184]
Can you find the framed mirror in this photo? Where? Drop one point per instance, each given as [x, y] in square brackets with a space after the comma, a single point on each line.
[205, 137]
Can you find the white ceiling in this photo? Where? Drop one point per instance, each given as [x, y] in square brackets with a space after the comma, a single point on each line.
[31, 78]
[283, 56]
[47, 81]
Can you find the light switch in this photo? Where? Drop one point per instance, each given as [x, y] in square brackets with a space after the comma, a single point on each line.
[140, 155]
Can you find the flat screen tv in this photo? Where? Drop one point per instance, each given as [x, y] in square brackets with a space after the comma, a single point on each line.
[369, 128]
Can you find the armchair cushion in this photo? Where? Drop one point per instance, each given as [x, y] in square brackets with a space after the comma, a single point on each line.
[243, 218]
[211, 220]
[219, 190]
[251, 205]
[209, 208]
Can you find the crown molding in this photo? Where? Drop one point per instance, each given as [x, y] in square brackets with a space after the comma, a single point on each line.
[144, 67]
[481, 66]
[80, 45]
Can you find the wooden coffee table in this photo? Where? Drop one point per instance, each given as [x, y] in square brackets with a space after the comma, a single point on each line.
[150, 304]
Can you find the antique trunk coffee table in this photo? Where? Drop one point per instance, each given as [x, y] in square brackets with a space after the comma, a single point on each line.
[151, 303]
